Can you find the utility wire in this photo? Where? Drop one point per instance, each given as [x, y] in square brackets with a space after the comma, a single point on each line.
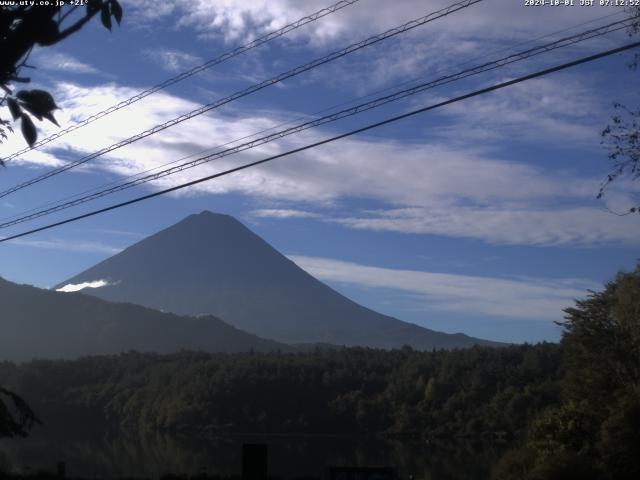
[114, 187]
[312, 115]
[252, 89]
[331, 139]
[319, 112]
[189, 73]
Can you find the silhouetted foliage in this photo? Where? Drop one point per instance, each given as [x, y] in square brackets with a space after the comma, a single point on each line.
[24, 26]
[595, 431]
[622, 136]
[16, 417]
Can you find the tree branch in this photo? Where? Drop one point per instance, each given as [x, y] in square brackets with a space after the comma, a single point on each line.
[69, 12]
[77, 26]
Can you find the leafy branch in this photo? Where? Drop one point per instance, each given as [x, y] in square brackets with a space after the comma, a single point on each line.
[16, 417]
[23, 27]
[622, 135]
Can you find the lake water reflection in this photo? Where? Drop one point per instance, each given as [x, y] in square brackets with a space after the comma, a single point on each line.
[110, 455]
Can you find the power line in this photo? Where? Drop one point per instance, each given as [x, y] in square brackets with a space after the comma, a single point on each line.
[189, 73]
[319, 112]
[312, 115]
[252, 89]
[564, 42]
[331, 139]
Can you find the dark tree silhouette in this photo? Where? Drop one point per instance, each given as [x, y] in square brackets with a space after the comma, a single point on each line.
[594, 433]
[22, 27]
[602, 339]
[16, 417]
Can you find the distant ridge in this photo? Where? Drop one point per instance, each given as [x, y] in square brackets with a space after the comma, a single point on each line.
[36, 323]
[211, 263]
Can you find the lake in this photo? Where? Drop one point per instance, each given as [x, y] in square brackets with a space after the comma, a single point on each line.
[113, 455]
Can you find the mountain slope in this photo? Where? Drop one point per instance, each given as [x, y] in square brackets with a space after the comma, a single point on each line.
[36, 323]
[211, 263]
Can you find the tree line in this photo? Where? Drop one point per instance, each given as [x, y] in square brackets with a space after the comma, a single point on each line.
[478, 391]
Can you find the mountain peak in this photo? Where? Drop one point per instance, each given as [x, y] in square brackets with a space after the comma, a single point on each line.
[208, 214]
[212, 263]
[208, 217]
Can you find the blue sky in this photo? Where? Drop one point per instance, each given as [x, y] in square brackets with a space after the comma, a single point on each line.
[479, 217]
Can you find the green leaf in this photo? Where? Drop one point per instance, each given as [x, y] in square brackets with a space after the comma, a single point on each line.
[105, 16]
[14, 108]
[116, 10]
[29, 130]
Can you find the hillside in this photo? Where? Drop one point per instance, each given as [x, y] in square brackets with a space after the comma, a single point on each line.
[38, 323]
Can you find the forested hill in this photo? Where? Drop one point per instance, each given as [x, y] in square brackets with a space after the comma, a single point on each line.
[36, 323]
[467, 392]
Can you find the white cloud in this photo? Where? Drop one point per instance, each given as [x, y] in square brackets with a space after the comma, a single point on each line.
[283, 213]
[172, 60]
[233, 21]
[544, 108]
[62, 62]
[530, 298]
[432, 186]
[80, 246]
[76, 287]
[516, 225]
[119, 233]
[241, 20]
[78, 102]
[434, 47]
